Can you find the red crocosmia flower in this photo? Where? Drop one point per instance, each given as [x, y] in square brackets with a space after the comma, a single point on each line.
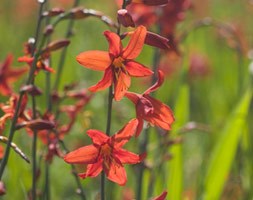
[9, 110]
[118, 64]
[106, 153]
[150, 109]
[42, 64]
[161, 197]
[9, 75]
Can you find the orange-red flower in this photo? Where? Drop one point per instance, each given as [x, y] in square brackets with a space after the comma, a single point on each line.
[106, 154]
[8, 75]
[150, 109]
[9, 110]
[118, 64]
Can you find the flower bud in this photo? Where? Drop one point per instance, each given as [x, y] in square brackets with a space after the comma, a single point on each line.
[125, 18]
[37, 124]
[2, 188]
[53, 12]
[31, 89]
[55, 45]
[48, 30]
[156, 40]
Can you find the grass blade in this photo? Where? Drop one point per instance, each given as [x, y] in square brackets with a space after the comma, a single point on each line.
[175, 181]
[225, 150]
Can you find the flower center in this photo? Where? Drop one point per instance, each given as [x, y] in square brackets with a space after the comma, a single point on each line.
[118, 62]
[106, 150]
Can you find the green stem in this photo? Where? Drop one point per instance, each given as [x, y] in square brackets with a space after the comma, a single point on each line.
[74, 171]
[34, 151]
[141, 166]
[47, 182]
[108, 129]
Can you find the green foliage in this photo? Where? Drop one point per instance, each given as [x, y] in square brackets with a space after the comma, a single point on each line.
[224, 151]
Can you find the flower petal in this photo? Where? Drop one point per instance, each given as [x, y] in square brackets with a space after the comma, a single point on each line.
[121, 86]
[104, 83]
[158, 84]
[162, 109]
[96, 60]
[93, 170]
[162, 115]
[115, 45]
[139, 127]
[122, 136]
[5, 90]
[138, 70]
[14, 74]
[7, 62]
[97, 137]
[135, 44]
[127, 157]
[133, 97]
[117, 173]
[84, 155]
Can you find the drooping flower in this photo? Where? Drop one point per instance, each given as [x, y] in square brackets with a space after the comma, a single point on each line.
[118, 64]
[150, 109]
[106, 153]
[9, 75]
[42, 63]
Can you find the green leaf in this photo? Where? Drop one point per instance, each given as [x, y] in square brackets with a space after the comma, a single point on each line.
[175, 181]
[224, 152]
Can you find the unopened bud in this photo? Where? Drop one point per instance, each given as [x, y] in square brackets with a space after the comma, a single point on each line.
[78, 13]
[55, 45]
[31, 89]
[77, 94]
[53, 12]
[37, 124]
[2, 189]
[125, 18]
[156, 40]
[48, 30]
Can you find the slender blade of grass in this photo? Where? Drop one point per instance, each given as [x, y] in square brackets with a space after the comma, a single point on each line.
[175, 181]
[224, 151]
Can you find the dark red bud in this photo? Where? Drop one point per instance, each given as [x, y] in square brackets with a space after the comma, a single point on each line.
[2, 189]
[48, 30]
[55, 45]
[156, 40]
[31, 89]
[53, 12]
[79, 13]
[55, 96]
[37, 124]
[77, 94]
[125, 18]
